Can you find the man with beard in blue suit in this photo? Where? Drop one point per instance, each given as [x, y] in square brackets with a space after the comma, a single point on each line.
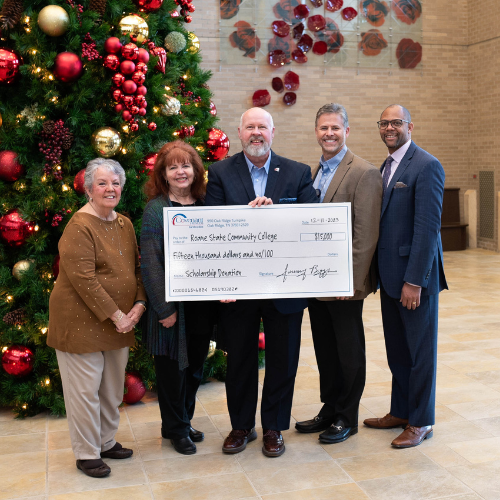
[257, 176]
[411, 275]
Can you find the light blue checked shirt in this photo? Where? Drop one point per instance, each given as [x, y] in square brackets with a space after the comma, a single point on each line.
[259, 175]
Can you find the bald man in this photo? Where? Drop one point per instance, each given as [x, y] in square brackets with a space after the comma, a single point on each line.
[258, 176]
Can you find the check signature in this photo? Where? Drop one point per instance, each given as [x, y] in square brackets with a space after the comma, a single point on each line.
[304, 273]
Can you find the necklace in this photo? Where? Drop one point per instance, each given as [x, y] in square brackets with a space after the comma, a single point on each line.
[177, 200]
[111, 233]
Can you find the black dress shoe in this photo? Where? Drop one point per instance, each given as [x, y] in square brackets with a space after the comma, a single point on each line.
[184, 446]
[195, 435]
[317, 424]
[337, 433]
[118, 451]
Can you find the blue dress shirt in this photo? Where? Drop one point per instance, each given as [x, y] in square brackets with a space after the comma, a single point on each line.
[328, 169]
[259, 175]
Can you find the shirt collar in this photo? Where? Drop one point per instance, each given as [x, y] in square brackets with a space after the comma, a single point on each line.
[334, 162]
[251, 165]
[398, 155]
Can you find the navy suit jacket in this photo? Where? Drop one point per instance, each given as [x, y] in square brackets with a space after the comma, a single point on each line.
[230, 183]
[409, 246]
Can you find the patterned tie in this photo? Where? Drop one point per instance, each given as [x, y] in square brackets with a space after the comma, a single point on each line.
[387, 172]
[324, 176]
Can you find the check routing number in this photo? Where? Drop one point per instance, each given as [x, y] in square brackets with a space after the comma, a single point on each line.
[275, 251]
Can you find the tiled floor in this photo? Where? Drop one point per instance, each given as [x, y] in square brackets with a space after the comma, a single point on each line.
[461, 461]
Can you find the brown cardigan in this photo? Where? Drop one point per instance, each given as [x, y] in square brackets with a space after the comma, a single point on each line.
[94, 281]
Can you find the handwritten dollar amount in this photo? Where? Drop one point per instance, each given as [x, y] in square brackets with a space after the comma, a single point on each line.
[323, 236]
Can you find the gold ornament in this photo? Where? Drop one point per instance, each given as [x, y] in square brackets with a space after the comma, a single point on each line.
[106, 141]
[21, 267]
[135, 26]
[53, 20]
[194, 43]
[171, 107]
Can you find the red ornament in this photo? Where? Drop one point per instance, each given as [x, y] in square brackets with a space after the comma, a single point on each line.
[142, 67]
[142, 112]
[213, 109]
[78, 182]
[127, 67]
[161, 54]
[148, 163]
[18, 360]
[117, 95]
[349, 13]
[148, 5]
[217, 145]
[188, 19]
[130, 51]
[139, 99]
[142, 90]
[55, 264]
[152, 126]
[134, 110]
[129, 87]
[144, 105]
[127, 116]
[118, 79]
[292, 81]
[128, 100]
[111, 62]
[143, 56]
[67, 67]
[118, 108]
[262, 341]
[134, 388]
[290, 98]
[10, 169]
[277, 84]
[14, 229]
[261, 98]
[10, 61]
[112, 45]
[186, 132]
[138, 77]
[134, 127]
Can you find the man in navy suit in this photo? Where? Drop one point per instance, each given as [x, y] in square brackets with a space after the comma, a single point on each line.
[257, 176]
[411, 275]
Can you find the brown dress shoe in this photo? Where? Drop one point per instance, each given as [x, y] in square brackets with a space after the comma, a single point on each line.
[412, 436]
[238, 439]
[274, 446]
[387, 422]
[118, 451]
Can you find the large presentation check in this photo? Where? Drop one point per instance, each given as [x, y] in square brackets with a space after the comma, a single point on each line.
[277, 251]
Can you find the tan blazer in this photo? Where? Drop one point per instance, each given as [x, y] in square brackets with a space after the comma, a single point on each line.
[359, 182]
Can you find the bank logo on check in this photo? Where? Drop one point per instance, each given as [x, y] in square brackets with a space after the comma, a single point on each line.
[182, 220]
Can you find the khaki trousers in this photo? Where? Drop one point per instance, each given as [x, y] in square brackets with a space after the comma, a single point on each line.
[93, 390]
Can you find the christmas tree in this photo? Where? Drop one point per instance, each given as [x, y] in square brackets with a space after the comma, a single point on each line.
[115, 78]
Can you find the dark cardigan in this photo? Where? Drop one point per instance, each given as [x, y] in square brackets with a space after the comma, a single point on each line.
[157, 339]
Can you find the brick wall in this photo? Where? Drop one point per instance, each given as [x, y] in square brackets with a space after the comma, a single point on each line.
[454, 99]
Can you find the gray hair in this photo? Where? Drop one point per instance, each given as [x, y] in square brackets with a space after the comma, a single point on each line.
[406, 113]
[266, 112]
[106, 163]
[335, 108]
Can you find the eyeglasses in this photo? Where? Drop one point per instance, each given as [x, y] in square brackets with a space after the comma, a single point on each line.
[394, 123]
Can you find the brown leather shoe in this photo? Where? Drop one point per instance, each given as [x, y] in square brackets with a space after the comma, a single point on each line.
[238, 439]
[412, 436]
[387, 422]
[118, 451]
[274, 446]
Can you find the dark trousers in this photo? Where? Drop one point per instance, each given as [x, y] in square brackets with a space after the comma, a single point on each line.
[240, 321]
[339, 344]
[411, 343]
[177, 388]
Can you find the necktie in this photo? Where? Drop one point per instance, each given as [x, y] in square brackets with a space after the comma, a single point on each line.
[387, 172]
[324, 176]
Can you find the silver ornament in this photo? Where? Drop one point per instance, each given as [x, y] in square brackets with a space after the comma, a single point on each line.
[172, 106]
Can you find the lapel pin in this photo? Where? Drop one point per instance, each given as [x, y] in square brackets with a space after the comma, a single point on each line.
[276, 169]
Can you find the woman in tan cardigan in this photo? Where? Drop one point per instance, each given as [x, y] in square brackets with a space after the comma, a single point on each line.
[96, 301]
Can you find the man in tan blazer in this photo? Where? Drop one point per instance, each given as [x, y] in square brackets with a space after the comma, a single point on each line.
[336, 323]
